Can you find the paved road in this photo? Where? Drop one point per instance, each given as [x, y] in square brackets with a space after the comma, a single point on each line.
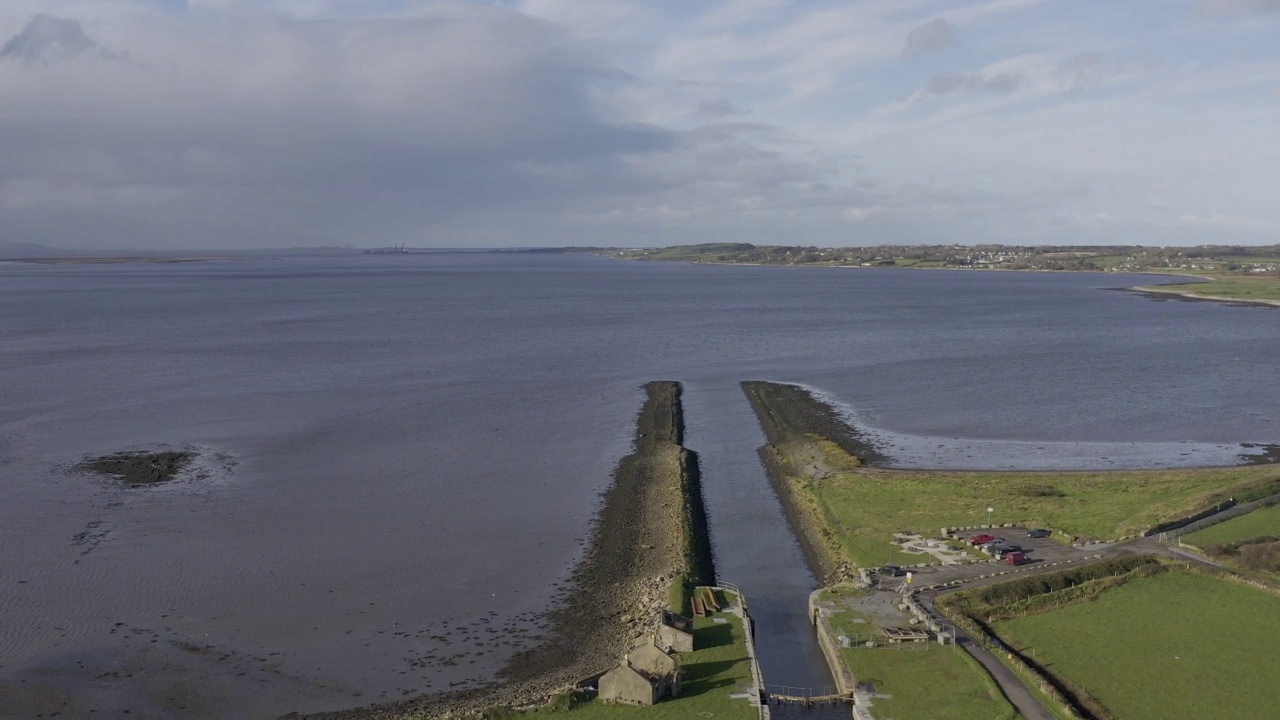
[1010, 684]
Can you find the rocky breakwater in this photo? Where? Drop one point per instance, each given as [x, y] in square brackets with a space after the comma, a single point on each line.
[651, 531]
[805, 436]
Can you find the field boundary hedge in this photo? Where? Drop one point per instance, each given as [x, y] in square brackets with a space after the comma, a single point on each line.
[975, 610]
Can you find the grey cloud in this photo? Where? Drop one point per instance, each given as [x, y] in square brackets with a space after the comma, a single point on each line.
[46, 39]
[720, 107]
[948, 83]
[1083, 72]
[461, 125]
[937, 34]
[1235, 7]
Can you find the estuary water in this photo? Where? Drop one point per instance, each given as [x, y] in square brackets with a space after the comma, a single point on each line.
[403, 454]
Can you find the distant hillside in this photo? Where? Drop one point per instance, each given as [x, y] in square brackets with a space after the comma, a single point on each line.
[693, 252]
[23, 250]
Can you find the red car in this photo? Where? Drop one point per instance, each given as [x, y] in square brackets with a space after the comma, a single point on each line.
[1017, 558]
[976, 540]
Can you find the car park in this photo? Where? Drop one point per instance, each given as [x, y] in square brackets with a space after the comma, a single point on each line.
[1039, 533]
[982, 539]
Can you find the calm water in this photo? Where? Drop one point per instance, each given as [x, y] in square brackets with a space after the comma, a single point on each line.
[413, 446]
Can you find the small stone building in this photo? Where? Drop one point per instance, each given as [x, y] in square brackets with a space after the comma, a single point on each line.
[644, 677]
[675, 633]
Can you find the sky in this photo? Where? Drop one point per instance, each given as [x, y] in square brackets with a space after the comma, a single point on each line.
[271, 123]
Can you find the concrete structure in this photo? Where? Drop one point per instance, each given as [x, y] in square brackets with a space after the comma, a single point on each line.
[675, 633]
[644, 677]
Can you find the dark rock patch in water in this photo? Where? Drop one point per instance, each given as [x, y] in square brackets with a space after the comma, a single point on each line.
[1270, 454]
[140, 468]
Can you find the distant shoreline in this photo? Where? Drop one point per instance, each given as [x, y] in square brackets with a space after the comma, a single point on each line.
[113, 260]
[1162, 292]
[1169, 292]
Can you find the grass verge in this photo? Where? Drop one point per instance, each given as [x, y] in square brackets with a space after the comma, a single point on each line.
[937, 683]
[1233, 287]
[717, 669]
[844, 512]
[1263, 522]
[861, 509]
[1174, 644]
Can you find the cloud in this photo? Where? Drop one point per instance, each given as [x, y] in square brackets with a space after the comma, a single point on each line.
[47, 39]
[523, 122]
[361, 129]
[1236, 7]
[860, 214]
[937, 34]
[1084, 71]
[973, 82]
[719, 107]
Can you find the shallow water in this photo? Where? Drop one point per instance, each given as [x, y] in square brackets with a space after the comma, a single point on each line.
[417, 445]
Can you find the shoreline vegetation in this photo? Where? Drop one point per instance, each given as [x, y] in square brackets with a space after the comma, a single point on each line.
[796, 426]
[1229, 274]
[650, 535]
[1177, 291]
[846, 507]
[849, 517]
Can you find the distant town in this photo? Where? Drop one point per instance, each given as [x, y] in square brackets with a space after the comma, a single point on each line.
[1254, 260]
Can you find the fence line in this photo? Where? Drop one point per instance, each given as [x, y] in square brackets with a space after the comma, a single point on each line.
[1235, 511]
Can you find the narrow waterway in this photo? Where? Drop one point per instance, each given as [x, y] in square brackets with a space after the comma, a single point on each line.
[753, 543]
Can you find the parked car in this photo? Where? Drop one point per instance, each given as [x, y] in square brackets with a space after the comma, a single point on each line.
[982, 539]
[892, 571]
[1039, 533]
[1003, 550]
[1017, 558]
[993, 544]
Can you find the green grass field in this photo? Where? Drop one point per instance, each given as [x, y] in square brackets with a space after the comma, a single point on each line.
[940, 683]
[710, 674]
[927, 681]
[1176, 645]
[863, 508]
[1242, 287]
[1262, 522]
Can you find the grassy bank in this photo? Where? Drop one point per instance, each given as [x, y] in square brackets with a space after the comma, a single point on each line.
[807, 442]
[846, 512]
[1175, 644]
[864, 508]
[717, 669]
[940, 683]
[1263, 522]
[1240, 288]
[923, 681]
[1250, 542]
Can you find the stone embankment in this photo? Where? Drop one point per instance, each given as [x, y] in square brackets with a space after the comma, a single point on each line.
[651, 530]
[794, 422]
